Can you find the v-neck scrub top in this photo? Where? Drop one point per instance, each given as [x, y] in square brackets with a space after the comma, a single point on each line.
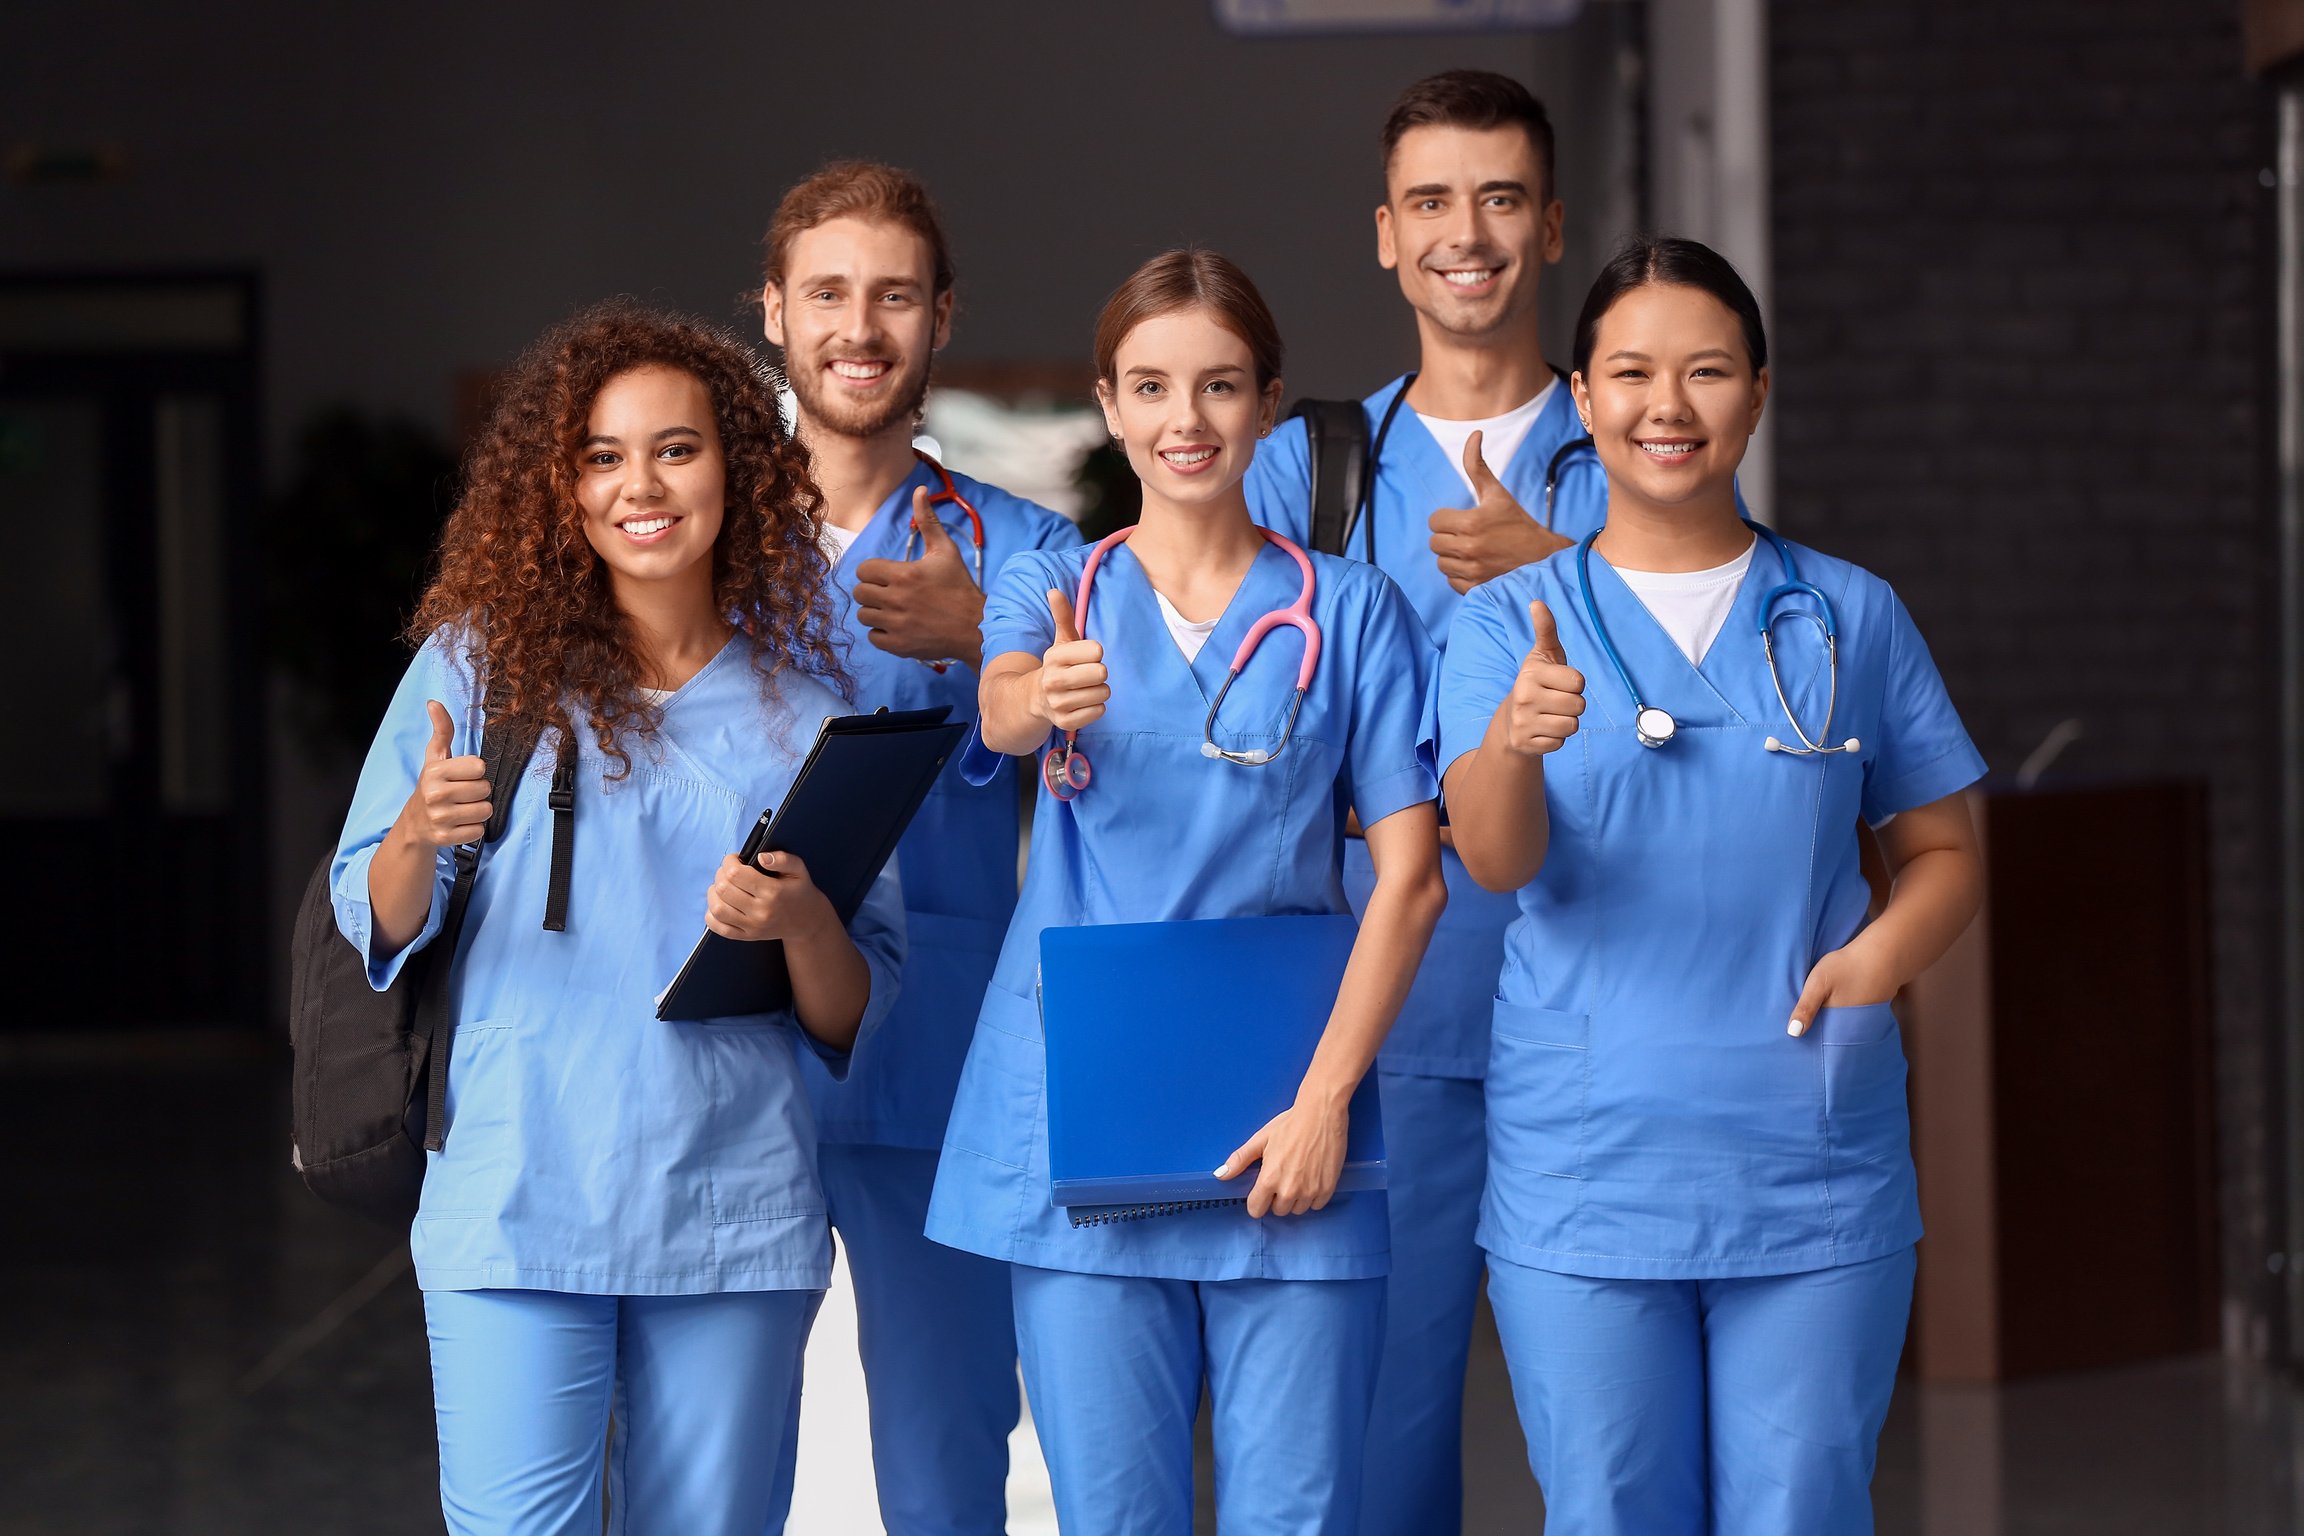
[1443, 1027]
[958, 856]
[592, 1147]
[1648, 1115]
[1163, 834]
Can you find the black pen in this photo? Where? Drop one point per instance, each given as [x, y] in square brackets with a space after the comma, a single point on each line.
[759, 836]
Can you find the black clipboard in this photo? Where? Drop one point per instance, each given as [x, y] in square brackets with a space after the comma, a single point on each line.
[847, 809]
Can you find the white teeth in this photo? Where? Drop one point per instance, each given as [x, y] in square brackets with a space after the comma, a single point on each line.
[639, 526]
[848, 370]
[1190, 456]
[1469, 279]
[1668, 450]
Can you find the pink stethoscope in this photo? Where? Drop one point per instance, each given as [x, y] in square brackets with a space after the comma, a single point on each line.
[1066, 771]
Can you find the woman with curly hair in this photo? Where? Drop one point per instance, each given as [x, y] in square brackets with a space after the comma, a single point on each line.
[631, 581]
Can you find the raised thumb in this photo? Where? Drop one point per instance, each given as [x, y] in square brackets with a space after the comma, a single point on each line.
[443, 731]
[1060, 609]
[1547, 633]
[935, 538]
[1476, 468]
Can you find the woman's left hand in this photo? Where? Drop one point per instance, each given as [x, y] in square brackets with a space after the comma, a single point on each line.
[1302, 1149]
[775, 900]
[1852, 976]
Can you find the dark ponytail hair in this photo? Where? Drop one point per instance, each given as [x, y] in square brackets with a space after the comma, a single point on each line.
[1649, 259]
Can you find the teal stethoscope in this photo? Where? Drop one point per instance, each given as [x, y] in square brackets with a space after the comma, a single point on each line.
[1652, 727]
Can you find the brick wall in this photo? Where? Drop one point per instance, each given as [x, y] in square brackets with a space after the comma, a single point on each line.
[2022, 329]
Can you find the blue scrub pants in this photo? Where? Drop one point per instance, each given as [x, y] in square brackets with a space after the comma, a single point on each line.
[937, 1332]
[1113, 1366]
[522, 1383]
[1748, 1407]
[1436, 1149]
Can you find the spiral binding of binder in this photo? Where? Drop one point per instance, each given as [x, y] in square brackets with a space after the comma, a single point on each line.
[1107, 1215]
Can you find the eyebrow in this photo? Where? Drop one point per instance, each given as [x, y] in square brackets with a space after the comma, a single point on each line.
[1438, 188]
[1161, 373]
[839, 279]
[604, 440]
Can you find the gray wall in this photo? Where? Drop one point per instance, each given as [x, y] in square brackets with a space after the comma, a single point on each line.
[424, 186]
[2021, 337]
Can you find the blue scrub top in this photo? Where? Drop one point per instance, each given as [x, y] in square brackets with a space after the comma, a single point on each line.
[592, 1147]
[1648, 1115]
[1164, 834]
[958, 856]
[1443, 1028]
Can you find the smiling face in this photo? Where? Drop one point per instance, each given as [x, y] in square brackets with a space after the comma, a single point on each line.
[1468, 224]
[860, 323]
[1672, 397]
[1184, 401]
[651, 479]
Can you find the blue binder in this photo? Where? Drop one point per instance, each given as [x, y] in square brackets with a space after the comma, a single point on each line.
[1170, 1044]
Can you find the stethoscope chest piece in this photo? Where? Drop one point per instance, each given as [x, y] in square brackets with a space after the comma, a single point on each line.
[1652, 727]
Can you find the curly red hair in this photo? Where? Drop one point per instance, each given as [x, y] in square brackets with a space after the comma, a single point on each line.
[522, 586]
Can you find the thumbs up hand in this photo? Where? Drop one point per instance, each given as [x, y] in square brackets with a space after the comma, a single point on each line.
[930, 608]
[450, 803]
[1073, 681]
[1493, 535]
[1547, 697]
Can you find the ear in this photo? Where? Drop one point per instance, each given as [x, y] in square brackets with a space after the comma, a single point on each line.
[943, 321]
[1580, 396]
[1555, 244]
[1759, 399]
[1109, 404]
[1269, 416]
[772, 313]
[1386, 256]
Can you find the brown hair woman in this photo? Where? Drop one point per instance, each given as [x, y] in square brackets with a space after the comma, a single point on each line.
[1275, 1302]
[632, 577]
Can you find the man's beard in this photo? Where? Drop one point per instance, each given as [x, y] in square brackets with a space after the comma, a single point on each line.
[822, 405]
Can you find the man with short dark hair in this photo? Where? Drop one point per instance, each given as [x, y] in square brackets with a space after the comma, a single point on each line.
[1477, 470]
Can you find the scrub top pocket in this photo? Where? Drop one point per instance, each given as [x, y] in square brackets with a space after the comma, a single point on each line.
[1862, 1059]
[1001, 1085]
[1541, 1067]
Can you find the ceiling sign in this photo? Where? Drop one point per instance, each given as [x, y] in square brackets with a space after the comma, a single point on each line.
[1278, 17]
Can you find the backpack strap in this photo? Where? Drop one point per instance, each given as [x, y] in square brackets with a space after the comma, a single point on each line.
[563, 803]
[1336, 453]
[506, 753]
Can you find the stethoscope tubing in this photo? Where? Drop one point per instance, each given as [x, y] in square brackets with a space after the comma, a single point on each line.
[1364, 513]
[1825, 620]
[914, 540]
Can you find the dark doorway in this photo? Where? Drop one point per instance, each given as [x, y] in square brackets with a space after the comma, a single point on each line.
[132, 806]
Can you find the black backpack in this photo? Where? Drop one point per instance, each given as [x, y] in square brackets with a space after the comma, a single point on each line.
[1336, 451]
[370, 1093]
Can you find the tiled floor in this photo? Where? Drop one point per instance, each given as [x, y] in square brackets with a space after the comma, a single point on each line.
[200, 1349]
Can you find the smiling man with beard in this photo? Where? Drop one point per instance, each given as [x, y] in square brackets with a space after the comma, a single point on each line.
[858, 296]
[1464, 451]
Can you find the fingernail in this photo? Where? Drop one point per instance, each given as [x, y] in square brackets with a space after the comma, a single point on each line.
[1223, 1170]
[1795, 1028]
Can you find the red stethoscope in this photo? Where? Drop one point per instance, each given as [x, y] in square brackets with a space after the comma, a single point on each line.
[1066, 771]
[913, 538]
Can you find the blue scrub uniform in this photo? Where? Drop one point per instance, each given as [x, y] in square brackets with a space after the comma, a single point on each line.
[1432, 1065]
[1700, 1227]
[1281, 1315]
[616, 1193]
[935, 1326]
